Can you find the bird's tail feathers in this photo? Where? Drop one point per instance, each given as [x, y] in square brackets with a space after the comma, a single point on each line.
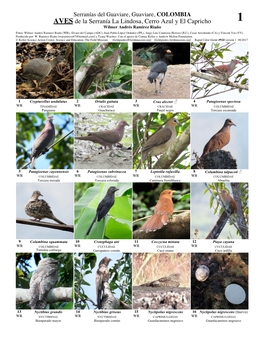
[85, 85]
[155, 222]
[86, 234]
[58, 221]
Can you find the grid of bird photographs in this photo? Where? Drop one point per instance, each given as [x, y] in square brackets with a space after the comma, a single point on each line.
[110, 182]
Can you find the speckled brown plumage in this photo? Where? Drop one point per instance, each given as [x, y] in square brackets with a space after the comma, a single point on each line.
[39, 209]
[100, 70]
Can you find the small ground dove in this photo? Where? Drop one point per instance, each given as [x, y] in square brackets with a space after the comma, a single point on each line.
[39, 209]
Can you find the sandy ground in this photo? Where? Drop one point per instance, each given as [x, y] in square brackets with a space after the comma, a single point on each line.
[176, 83]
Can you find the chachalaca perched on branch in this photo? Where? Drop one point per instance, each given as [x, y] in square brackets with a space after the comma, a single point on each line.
[159, 68]
[100, 70]
[230, 208]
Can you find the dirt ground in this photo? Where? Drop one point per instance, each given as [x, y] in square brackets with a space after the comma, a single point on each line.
[176, 83]
[95, 157]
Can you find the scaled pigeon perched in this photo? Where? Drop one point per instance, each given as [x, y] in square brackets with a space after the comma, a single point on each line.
[43, 140]
[222, 70]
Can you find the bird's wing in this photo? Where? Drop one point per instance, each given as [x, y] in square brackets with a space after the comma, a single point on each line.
[104, 206]
[110, 136]
[159, 67]
[159, 138]
[164, 206]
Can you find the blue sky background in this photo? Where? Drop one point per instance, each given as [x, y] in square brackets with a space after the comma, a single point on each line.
[59, 120]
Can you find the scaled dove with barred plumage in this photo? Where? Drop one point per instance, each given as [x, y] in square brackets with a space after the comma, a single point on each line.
[40, 209]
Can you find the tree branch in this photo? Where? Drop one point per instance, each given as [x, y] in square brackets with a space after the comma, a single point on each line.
[47, 149]
[115, 90]
[219, 81]
[60, 294]
[69, 228]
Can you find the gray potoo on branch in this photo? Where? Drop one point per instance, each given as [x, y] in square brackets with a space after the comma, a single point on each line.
[42, 281]
[102, 275]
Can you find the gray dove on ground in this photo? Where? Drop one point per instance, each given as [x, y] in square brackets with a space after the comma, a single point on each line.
[39, 209]
[37, 69]
[43, 140]
[106, 137]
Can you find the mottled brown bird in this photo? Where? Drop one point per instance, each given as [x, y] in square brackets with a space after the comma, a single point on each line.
[159, 142]
[100, 70]
[220, 139]
[106, 137]
[162, 211]
[230, 208]
[39, 209]
[173, 280]
[102, 275]
[42, 281]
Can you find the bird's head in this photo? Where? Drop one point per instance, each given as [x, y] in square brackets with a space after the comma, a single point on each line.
[123, 123]
[229, 122]
[174, 122]
[121, 52]
[48, 261]
[112, 189]
[237, 61]
[167, 192]
[36, 194]
[50, 118]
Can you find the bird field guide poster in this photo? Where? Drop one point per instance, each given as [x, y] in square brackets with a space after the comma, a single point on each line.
[131, 170]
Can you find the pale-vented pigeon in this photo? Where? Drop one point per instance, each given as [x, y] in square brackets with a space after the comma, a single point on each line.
[106, 137]
[43, 140]
[39, 209]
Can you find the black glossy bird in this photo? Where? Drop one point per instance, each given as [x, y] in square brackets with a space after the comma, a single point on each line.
[159, 68]
[104, 206]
